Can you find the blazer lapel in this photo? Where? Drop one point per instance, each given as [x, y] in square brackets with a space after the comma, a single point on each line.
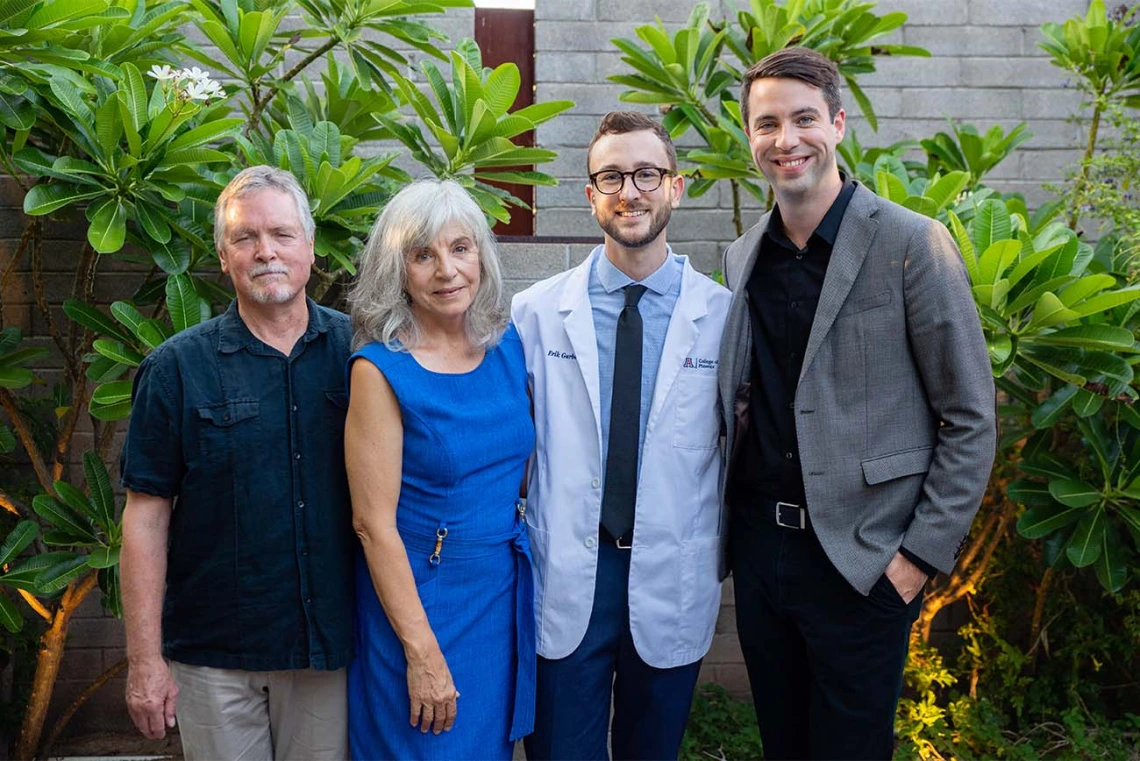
[735, 353]
[751, 245]
[851, 245]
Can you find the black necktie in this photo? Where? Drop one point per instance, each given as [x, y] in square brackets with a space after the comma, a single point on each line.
[620, 495]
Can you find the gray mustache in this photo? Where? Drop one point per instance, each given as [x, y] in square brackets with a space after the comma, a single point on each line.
[268, 269]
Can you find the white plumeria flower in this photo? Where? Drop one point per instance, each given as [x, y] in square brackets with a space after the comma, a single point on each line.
[162, 73]
[196, 74]
[197, 90]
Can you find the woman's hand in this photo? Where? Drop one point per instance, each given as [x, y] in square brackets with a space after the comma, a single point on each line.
[432, 692]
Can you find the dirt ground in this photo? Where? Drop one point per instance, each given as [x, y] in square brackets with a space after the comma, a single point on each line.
[118, 744]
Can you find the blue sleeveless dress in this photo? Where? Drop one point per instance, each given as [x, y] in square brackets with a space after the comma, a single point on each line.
[467, 437]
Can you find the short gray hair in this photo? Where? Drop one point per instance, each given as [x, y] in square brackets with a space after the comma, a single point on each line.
[413, 219]
[253, 180]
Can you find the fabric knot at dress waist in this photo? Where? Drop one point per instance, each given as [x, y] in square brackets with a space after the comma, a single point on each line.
[522, 720]
[446, 543]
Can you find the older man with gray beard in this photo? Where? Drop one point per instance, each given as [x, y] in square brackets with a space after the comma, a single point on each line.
[237, 538]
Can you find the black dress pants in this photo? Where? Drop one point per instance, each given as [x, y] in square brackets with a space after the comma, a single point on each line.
[825, 662]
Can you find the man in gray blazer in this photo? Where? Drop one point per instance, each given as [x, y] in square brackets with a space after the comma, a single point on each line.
[860, 424]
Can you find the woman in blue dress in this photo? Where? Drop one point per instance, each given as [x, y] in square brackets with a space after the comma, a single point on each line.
[436, 443]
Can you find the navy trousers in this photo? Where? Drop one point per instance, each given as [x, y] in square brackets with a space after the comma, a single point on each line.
[650, 705]
[825, 662]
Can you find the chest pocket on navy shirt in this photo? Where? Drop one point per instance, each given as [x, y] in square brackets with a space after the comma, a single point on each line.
[227, 429]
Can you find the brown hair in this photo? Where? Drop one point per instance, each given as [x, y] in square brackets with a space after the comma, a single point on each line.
[804, 64]
[622, 122]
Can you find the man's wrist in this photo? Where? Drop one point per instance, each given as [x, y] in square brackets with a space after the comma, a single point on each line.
[144, 659]
[919, 563]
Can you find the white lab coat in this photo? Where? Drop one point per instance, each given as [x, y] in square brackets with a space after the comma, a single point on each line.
[674, 594]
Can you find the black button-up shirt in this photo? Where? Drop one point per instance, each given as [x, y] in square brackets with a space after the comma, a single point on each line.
[250, 445]
[783, 292]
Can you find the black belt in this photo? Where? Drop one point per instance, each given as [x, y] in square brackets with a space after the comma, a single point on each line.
[623, 542]
[760, 512]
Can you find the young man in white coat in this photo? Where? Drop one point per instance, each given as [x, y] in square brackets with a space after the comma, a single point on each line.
[623, 505]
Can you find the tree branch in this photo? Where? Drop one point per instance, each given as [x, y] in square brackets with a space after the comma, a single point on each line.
[974, 547]
[25, 435]
[260, 103]
[83, 287]
[35, 604]
[985, 542]
[1090, 148]
[737, 221]
[42, 303]
[80, 699]
[79, 339]
[10, 268]
[1039, 608]
[9, 503]
[76, 592]
[106, 438]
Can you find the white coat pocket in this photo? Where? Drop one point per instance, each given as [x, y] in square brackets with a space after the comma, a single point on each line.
[696, 419]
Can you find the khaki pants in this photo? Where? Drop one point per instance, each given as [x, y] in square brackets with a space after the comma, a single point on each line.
[261, 715]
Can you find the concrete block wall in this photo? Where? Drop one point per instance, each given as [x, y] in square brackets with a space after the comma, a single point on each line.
[985, 68]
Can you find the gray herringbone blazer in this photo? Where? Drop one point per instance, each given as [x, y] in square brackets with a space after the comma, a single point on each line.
[895, 403]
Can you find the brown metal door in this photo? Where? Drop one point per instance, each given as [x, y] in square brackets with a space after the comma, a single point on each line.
[507, 36]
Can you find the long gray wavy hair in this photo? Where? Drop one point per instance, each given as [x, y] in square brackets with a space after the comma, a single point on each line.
[412, 219]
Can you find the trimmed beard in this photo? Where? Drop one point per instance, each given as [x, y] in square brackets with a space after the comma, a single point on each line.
[659, 220]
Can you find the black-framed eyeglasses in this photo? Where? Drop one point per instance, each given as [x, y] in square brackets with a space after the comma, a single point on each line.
[646, 179]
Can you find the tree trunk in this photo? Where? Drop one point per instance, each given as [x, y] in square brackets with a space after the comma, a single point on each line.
[48, 661]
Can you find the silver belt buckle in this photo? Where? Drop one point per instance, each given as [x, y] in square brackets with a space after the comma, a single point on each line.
[799, 512]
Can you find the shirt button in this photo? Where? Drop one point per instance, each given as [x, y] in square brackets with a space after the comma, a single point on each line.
[791, 405]
[297, 456]
[794, 304]
[789, 455]
[799, 256]
[300, 503]
[304, 553]
[596, 483]
[590, 542]
[308, 600]
[226, 416]
[294, 408]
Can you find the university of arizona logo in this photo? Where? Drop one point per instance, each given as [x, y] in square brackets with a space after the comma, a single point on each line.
[689, 362]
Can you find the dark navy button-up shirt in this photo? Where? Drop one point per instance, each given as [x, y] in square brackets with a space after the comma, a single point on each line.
[250, 445]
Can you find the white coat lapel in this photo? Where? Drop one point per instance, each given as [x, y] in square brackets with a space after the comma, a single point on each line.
[679, 338]
[579, 326]
[856, 233]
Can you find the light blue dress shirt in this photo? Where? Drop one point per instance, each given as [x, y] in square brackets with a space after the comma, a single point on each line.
[607, 300]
